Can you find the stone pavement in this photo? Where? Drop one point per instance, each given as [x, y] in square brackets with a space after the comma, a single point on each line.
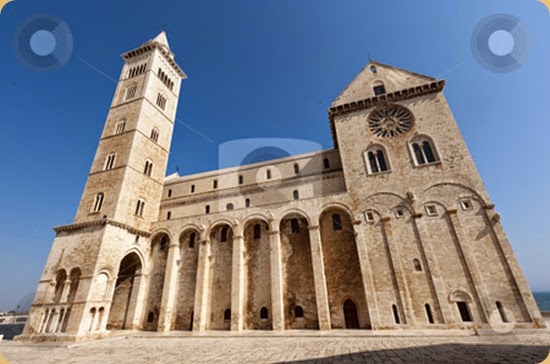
[302, 347]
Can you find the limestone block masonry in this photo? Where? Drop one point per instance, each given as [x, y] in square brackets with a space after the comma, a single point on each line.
[392, 229]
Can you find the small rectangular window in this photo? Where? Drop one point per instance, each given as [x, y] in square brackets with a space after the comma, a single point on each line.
[399, 213]
[215, 184]
[466, 204]
[431, 210]
[120, 127]
[369, 216]
[464, 311]
[379, 90]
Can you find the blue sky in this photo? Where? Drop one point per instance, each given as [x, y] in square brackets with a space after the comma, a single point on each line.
[263, 69]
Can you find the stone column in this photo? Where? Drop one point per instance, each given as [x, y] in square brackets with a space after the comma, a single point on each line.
[137, 303]
[237, 280]
[323, 311]
[277, 300]
[471, 265]
[66, 290]
[44, 323]
[202, 287]
[493, 221]
[432, 269]
[368, 284]
[402, 286]
[60, 321]
[170, 288]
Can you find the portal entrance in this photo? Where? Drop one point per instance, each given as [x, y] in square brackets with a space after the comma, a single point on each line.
[350, 315]
[126, 287]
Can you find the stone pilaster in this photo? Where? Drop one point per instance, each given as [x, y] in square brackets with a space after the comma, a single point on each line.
[471, 265]
[432, 268]
[402, 286]
[368, 284]
[170, 288]
[321, 294]
[277, 302]
[237, 281]
[493, 221]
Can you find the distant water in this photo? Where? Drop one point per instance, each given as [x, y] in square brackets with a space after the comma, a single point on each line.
[543, 300]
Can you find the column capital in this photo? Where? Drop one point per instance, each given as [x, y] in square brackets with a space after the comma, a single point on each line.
[451, 211]
[238, 237]
[273, 232]
[313, 227]
[417, 215]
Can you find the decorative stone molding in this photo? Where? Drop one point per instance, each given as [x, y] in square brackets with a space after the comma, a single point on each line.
[101, 222]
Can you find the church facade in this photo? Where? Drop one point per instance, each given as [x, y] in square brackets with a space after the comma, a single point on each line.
[392, 229]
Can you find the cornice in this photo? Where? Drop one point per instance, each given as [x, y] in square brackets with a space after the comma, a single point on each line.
[101, 222]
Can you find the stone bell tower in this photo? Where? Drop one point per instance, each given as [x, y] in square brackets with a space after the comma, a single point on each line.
[120, 201]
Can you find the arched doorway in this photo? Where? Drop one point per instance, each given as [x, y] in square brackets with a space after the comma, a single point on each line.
[127, 284]
[350, 315]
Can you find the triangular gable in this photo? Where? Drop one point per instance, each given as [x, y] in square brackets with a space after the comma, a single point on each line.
[393, 78]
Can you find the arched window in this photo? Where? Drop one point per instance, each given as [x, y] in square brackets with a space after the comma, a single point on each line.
[163, 243]
[169, 193]
[130, 92]
[501, 311]
[326, 163]
[229, 206]
[154, 135]
[98, 202]
[148, 169]
[378, 88]
[395, 314]
[268, 174]
[168, 215]
[264, 313]
[429, 313]
[296, 194]
[294, 226]
[120, 126]
[74, 278]
[109, 162]
[417, 265]
[296, 168]
[247, 202]
[241, 180]
[223, 234]
[376, 160]
[373, 69]
[336, 222]
[192, 239]
[464, 311]
[423, 150]
[227, 315]
[207, 209]
[257, 231]
[140, 206]
[161, 101]
[298, 312]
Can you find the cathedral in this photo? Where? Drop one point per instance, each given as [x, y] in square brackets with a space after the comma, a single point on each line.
[391, 229]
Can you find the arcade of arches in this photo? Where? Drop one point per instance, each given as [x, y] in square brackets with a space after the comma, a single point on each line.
[252, 277]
